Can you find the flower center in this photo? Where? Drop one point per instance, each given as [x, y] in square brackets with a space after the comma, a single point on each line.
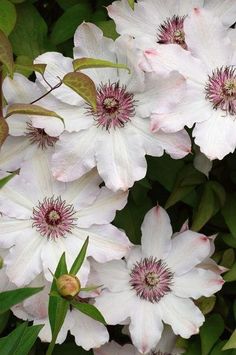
[40, 137]
[53, 218]
[221, 89]
[172, 31]
[151, 279]
[115, 106]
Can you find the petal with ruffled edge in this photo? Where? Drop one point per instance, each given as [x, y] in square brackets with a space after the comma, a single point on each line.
[191, 109]
[104, 208]
[57, 67]
[169, 57]
[116, 349]
[113, 275]
[146, 326]
[216, 137]
[181, 314]
[187, 250]
[106, 242]
[156, 233]
[197, 283]
[116, 307]
[74, 155]
[225, 10]
[203, 33]
[23, 263]
[120, 157]
[88, 332]
[90, 42]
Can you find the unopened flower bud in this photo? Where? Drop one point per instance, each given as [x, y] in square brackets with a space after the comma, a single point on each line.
[68, 285]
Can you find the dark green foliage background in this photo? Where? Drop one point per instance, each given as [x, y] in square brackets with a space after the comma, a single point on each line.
[35, 27]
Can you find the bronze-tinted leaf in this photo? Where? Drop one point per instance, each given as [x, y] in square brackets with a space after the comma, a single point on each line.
[3, 130]
[85, 63]
[83, 86]
[6, 55]
[28, 109]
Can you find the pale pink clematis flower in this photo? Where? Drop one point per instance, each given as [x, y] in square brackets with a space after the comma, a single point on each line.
[157, 21]
[156, 282]
[210, 98]
[117, 136]
[165, 346]
[44, 218]
[88, 332]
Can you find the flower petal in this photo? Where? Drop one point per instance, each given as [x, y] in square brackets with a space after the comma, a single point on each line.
[225, 10]
[106, 242]
[216, 137]
[182, 314]
[156, 233]
[188, 249]
[88, 332]
[197, 283]
[11, 229]
[74, 155]
[103, 210]
[146, 326]
[113, 275]
[203, 33]
[124, 162]
[57, 67]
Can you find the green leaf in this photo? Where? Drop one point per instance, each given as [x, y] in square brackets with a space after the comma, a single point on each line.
[29, 35]
[20, 341]
[4, 130]
[231, 274]
[206, 304]
[83, 86]
[65, 4]
[4, 320]
[10, 298]
[210, 332]
[228, 258]
[57, 307]
[217, 350]
[85, 63]
[187, 179]
[89, 310]
[7, 16]
[108, 28]
[66, 25]
[80, 258]
[211, 201]
[31, 109]
[231, 343]
[131, 3]
[5, 180]
[229, 212]
[6, 55]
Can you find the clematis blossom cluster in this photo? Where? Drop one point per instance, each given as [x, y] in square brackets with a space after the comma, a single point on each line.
[68, 175]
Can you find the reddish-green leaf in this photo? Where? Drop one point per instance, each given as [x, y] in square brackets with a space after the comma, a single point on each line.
[4, 130]
[83, 86]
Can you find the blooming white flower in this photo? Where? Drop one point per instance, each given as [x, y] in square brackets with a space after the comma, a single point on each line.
[165, 346]
[26, 137]
[156, 283]
[88, 332]
[43, 218]
[210, 98]
[157, 21]
[117, 136]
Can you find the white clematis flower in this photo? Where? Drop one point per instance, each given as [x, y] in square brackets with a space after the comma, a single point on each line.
[88, 332]
[156, 283]
[210, 98]
[157, 21]
[26, 133]
[117, 136]
[44, 218]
